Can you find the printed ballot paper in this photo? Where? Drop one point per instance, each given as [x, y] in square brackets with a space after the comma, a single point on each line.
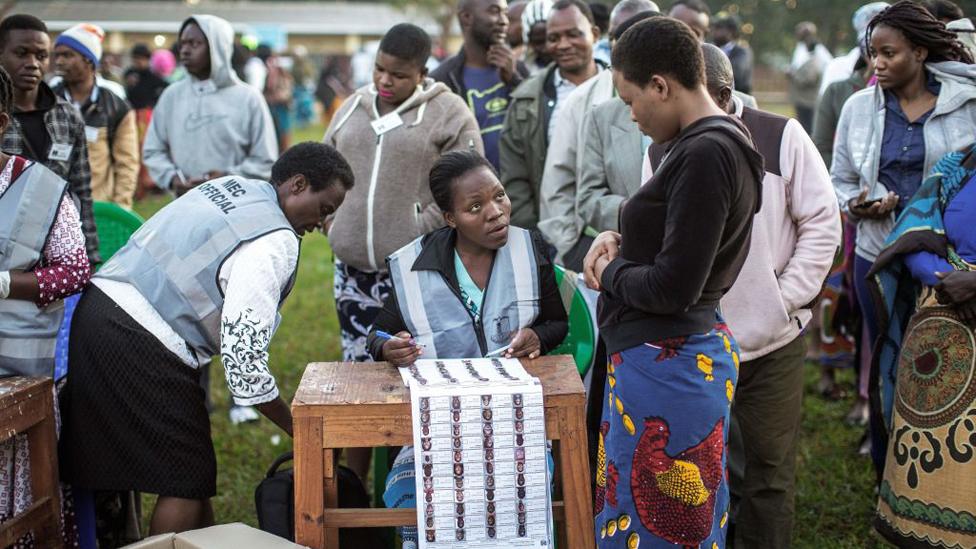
[480, 454]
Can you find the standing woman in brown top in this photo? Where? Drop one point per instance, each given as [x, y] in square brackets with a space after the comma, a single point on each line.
[391, 131]
[673, 362]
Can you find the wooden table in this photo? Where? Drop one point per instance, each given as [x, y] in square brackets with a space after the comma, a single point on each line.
[27, 407]
[349, 405]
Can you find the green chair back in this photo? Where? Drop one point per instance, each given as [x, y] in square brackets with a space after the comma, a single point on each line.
[115, 225]
[581, 338]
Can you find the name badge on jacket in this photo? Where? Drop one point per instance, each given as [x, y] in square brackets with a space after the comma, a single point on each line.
[386, 123]
[91, 134]
[60, 152]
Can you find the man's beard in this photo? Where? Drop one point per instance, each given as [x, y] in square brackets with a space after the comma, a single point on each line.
[483, 36]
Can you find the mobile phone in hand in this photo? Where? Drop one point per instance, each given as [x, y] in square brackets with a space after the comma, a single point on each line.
[867, 204]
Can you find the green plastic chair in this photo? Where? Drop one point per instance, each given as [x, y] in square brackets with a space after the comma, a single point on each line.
[581, 338]
[115, 225]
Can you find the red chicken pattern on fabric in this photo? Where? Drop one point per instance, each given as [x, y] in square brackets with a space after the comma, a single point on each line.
[668, 347]
[613, 477]
[675, 495]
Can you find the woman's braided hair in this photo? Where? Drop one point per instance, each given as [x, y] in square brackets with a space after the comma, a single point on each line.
[6, 91]
[922, 30]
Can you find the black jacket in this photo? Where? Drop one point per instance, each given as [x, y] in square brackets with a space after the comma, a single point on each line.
[106, 112]
[451, 72]
[438, 255]
[685, 235]
[741, 59]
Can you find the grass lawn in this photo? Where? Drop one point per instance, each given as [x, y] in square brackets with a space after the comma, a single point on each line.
[835, 498]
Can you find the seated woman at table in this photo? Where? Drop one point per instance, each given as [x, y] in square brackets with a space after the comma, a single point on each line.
[473, 288]
[926, 278]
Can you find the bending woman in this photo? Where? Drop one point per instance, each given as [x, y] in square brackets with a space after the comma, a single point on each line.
[177, 294]
[926, 277]
[673, 366]
[486, 287]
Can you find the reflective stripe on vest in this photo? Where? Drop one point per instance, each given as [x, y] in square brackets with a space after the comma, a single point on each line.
[436, 317]
[174, 259]
[28, 210]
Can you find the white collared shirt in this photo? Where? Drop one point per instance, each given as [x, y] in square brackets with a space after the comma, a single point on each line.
[563, 89]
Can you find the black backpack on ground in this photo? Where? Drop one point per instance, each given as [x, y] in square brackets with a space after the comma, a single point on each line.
[274, 499]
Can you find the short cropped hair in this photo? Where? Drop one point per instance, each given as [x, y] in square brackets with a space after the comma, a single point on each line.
[20, 21]
[718, 69]
[448, 169]
[561, 5]
[407, 42]
[636, 18]
[321, 165]
[601, 14]
[662, 46]
[697, 5]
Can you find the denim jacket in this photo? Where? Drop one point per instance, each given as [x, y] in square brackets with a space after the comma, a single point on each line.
[860, 130]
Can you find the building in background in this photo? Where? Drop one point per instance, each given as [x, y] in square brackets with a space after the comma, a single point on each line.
[322, 28]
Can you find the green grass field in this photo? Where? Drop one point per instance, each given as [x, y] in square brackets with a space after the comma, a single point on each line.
[835, 497]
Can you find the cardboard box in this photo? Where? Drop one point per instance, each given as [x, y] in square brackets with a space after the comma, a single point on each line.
[223, 536]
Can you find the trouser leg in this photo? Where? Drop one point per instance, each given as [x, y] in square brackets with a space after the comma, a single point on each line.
[766, 414]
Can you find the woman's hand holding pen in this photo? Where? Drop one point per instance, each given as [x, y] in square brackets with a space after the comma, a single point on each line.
[400, 349]
[524, 344]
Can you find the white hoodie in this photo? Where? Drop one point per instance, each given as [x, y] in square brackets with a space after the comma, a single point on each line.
[218, 124]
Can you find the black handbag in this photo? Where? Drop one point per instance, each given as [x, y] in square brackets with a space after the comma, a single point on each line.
[274, 499]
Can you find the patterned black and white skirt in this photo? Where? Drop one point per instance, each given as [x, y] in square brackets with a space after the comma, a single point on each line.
[134, 415]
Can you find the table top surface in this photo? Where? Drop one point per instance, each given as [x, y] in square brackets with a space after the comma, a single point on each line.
[365, 383]
[15, 389]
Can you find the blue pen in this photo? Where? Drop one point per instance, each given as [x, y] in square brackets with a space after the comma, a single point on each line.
[384, 335]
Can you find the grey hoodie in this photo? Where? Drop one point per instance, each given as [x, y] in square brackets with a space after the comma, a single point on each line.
[391, 204]
[218, 124]
[857, 148]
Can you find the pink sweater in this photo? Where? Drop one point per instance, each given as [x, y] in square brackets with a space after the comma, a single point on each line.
[794, 238]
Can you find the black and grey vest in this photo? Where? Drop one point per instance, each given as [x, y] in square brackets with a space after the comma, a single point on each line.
[436, 317]
[174, 259]
[28, 210]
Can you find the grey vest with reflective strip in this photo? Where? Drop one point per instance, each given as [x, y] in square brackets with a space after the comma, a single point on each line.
[28, 209]
[174, 259]
[436, 317]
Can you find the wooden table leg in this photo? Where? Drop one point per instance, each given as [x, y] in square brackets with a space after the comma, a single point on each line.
[574, 460]
[331, 491]
[309, 494]
[43, 448]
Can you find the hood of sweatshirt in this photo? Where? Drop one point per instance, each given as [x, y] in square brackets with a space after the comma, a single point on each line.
[220, 37]
[734, 128]
[958, 84]
[411, 110]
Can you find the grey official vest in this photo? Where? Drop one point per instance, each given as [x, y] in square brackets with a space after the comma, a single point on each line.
[436, 317]
[28, 209]
[174, 259]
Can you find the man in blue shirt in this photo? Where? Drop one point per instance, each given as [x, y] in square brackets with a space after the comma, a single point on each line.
[486, 70]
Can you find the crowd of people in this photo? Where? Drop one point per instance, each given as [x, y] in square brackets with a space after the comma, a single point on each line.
[720, 245]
